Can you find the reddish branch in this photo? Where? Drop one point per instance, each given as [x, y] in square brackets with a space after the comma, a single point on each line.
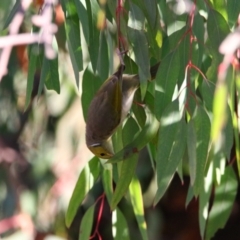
[230, 49]
[190, 64]
[44, 36]
[21, 220]
[122, 43]
[96, 232]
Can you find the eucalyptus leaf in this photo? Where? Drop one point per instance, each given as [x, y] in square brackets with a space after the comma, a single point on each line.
[33, 58]
[225, 194]
[171, 147]
[77, 197]
[166, 80]
[202, 127]
[138, 208]
[86, 224]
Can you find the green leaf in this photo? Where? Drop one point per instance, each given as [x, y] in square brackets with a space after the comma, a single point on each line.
[236, 125]
[217, 29]
[190, 195]
[130, 129]
[202, 127]
[107, 183]
[180, 171]
[93, 44]
[207, 88]
[49, 74]
[145, 136]
[112, 5]
[137, 203]
[111, 49]
[136, 17]
[90, 84]
[72, 28]
[127, 168]
[86, 224]
[204, 197]
[117, 140]
[170, 43]
[151, 12]
[219, 110]
[171, 159]
[191, 52]
[125, 176]
[94, 166]
[219, 160]
[13, 12]
[228, 135]
[83, 18]
[139, 113]
[171, 147]
[155, 39]
[77, 197]
[233, 104]
[183, 49]
[221, 7]
[149, 9]
[120, 223]
[199, 31]
[103, 59]
[130, 66]
[33, 57]
[225, 194]
[233, 9]
[166, 80]
[191, 147]
[140, 49]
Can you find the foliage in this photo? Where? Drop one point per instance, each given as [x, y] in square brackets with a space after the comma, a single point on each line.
[186, 121]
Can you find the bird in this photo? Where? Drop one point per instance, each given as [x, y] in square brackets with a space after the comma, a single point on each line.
[108, 109]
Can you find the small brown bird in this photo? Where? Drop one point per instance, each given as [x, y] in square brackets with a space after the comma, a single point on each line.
[109, 108]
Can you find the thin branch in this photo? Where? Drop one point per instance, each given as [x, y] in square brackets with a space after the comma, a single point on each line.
[45, 35]
[13, 29]
[21, 39]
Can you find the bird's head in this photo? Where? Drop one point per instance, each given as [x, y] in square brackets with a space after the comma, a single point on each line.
[102, 150]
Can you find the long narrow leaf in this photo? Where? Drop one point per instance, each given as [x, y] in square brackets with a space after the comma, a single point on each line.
[107, 183]
[78, 195]
[204, 198]
[191, 149]
[202, 127]
[120, 228]
[125, 176]
[72, 28]
[93, 44]
[167, 162]
[146, 135]
[225, 194]
[171, 146]
[33, 57]
[166, 80]
[141, 53]
[90, 85]
[49, 74]
[86, 224]
[137, 203]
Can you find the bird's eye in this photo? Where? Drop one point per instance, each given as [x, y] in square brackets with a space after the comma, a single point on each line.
[102, 154]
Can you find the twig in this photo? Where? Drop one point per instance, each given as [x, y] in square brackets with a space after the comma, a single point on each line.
[21, 39]
[13, 29]
[45, 35]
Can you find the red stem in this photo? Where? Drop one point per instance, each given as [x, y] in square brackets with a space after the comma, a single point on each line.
[96, 232]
